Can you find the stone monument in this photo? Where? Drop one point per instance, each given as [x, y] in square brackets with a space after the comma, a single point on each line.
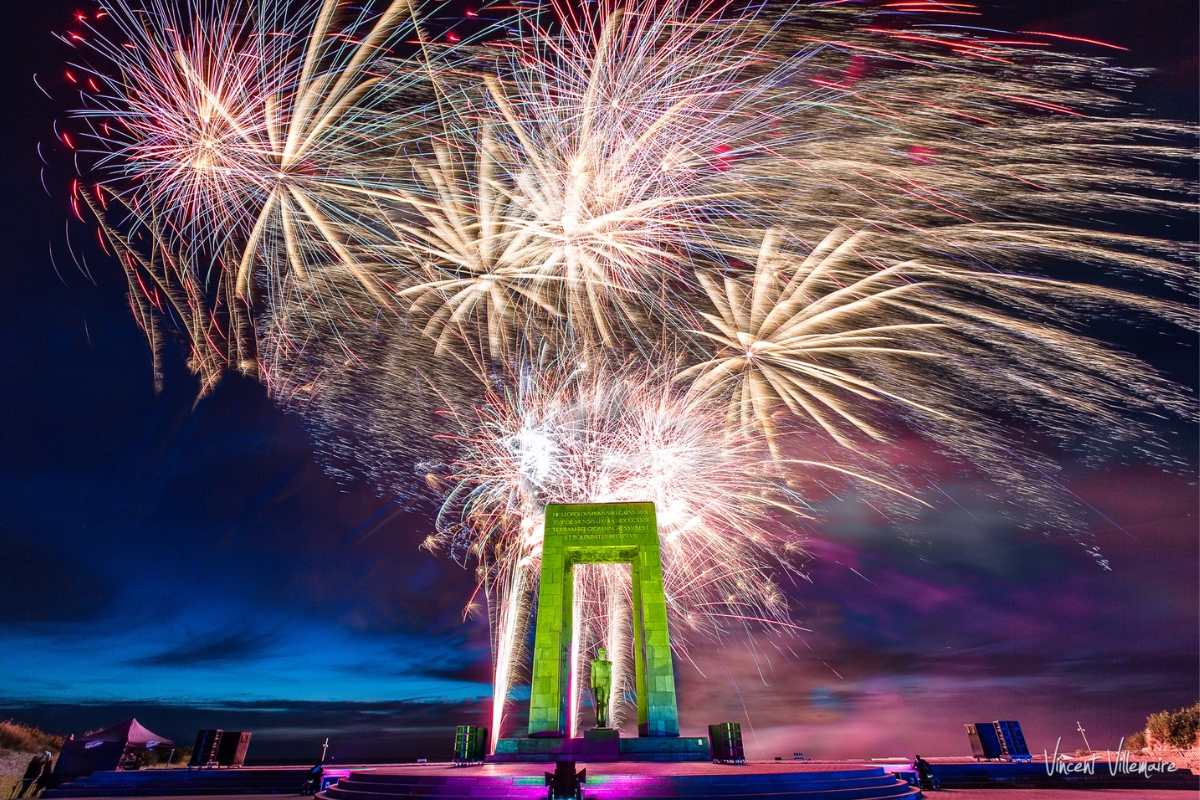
[602, 533]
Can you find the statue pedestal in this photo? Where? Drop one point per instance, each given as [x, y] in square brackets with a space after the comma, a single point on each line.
[601, 734]
[560, 749]
[605, 747]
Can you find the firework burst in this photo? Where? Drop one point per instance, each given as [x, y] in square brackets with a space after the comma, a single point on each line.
[658, 252]
[588, 434]
[237, 139]
[842, 339]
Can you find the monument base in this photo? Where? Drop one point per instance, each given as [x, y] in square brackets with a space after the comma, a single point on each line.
[595, 748]
[559, 749]
[601, 734]
[661, 748]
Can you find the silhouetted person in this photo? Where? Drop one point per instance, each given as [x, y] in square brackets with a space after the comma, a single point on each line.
[33, 771]
[43, 779]
[312, 784]
[565, 783]
[924, 772]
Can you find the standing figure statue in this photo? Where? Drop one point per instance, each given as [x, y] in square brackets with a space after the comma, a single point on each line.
[601, 684]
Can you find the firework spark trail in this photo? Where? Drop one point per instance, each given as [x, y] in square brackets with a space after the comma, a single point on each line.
[240, 138]
[617, 166]
[582, 189]
[579, 217]
[586, 434]
[680, 253]
[832, 335]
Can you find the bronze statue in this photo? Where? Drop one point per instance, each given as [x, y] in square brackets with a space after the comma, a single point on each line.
[601, 684]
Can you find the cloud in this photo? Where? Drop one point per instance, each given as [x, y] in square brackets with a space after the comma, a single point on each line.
[478, 671]
[359, 732]
[237, 646]
[47, 585]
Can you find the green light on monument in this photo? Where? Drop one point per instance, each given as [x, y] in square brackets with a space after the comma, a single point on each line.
[602, 533]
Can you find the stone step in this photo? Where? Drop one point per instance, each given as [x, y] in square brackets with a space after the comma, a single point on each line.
[900, 790]
[185, 775]
[149, 791]
[726, 775]
[643, 781]
[607, 782]
[181, 782]
[868, 783]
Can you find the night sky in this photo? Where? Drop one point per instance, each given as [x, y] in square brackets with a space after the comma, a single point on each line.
[191, 564]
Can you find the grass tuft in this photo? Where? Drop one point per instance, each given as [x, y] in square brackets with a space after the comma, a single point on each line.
[27, 739]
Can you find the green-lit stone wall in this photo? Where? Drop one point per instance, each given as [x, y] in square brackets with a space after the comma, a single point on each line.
[602, 533]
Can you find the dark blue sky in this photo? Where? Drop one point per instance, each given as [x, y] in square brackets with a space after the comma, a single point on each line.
[192, 564]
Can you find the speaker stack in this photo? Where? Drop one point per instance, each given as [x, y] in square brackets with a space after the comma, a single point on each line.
[470, 744]
[218, 748]
[725, 739]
